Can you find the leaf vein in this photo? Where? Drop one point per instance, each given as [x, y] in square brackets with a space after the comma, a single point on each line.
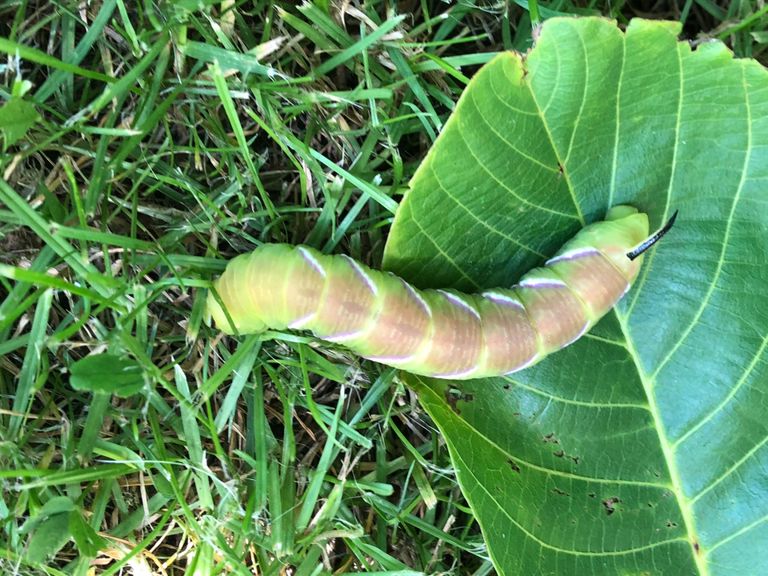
[673, 172]
[549, 546]
[545, 125]
[442, 252]
[572, 402]
[509, 144]
[615, 162]
[552, 471]
[733, 468]
[744, 530]
[726, 239]
[668, 453]
[712, 413]
[577, 120]
[480, 221]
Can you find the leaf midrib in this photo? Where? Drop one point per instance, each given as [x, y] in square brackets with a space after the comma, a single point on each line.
[667, 450]
[684, 504]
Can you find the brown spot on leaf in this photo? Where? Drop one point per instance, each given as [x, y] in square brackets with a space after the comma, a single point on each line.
[551, 438]
[453, 395]
[514, 465]
[610, 504]
[560, 492]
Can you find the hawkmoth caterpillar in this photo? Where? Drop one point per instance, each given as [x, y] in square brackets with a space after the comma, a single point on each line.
[438, 333]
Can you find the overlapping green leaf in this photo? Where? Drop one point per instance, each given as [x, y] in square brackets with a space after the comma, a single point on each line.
[641, 449]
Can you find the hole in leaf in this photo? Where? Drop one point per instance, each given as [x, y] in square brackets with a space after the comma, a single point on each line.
[551, 438]
[610, 504]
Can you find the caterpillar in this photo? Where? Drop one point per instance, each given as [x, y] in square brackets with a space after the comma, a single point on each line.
[438, 333]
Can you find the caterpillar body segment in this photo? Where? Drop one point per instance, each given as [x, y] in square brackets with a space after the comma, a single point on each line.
[438, 333]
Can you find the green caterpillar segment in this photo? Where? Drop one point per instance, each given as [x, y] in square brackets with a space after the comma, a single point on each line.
[439, 333]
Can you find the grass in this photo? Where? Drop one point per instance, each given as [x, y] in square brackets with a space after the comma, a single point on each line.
[171, 137]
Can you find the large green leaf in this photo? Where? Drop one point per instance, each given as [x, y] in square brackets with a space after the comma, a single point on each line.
[641, 449]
